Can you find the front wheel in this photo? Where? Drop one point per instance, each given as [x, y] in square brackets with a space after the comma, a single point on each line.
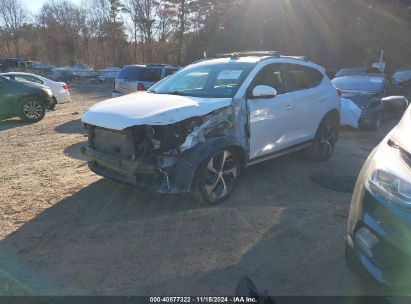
[31, 110]
[217, 176]
[324, 141]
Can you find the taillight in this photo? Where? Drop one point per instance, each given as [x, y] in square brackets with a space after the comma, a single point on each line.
[339, 92]
[65, 87]
[141, 87]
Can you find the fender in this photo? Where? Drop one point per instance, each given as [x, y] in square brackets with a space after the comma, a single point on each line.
[185, 169]
[394, 103]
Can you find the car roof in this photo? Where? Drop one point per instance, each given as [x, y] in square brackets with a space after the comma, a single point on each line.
[258, 59]
[363, 75]
[152, 66]
[20, 73]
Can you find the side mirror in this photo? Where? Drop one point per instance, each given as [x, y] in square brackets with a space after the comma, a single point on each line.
[263, 91]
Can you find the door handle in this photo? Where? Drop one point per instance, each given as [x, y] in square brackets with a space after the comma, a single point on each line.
[289, 107]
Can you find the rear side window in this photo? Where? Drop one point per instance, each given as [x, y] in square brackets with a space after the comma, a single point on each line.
[169, 72]
[302, 77]
[137, 73]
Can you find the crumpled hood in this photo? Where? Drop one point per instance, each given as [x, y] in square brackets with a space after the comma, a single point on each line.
[145, 108]
[360, 99]
[401, 133]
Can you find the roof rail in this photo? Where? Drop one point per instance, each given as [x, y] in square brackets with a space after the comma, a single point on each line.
[161, 65]
[249, 54]
[303, 58]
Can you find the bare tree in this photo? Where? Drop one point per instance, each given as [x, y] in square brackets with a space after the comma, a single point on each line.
[13, 15]
[132, 8]
[63, 23]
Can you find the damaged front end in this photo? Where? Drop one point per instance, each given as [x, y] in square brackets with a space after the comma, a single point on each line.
[155, 157]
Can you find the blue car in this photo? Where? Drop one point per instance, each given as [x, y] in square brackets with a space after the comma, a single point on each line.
[379, 226]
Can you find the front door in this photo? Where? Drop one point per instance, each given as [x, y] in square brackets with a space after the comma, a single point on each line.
[271, 119]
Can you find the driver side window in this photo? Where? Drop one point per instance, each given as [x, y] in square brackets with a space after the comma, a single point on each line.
[271, 75]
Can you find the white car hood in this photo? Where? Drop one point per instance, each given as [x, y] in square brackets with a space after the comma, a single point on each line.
[144, 108]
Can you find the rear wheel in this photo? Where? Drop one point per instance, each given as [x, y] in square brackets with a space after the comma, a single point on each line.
[31, 109]
[324, 141]
[52, 103]
[217, 176]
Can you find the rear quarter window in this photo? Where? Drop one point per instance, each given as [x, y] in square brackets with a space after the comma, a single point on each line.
[302, 77]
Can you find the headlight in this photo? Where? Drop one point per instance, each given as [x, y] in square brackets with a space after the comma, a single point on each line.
[47, 91]
[389, 176]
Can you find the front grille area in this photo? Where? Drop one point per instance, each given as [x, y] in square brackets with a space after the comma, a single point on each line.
[119, 143]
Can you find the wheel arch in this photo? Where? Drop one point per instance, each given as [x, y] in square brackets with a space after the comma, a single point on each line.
[334, 116]
[185, 170]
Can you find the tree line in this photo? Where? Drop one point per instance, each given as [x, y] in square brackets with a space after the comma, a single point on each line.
[116, 32]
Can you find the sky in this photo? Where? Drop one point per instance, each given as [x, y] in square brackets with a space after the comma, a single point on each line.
[34, 5]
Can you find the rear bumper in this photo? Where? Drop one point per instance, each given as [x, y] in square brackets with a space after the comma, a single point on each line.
[63, 97]
[140, 173]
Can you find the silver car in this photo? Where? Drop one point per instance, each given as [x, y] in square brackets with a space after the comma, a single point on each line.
[134, 78]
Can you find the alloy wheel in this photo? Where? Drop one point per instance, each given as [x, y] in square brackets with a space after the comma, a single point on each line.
[32, 109]
[327, 141]
[221, 173]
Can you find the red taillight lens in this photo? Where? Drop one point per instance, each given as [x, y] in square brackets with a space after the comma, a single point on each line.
[141, 87]
[65, 87]
[339, 92]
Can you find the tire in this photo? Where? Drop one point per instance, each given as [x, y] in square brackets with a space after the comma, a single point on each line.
[377, 122]
[216, 177]
[324, 141]
[52, 103]
[31, 109]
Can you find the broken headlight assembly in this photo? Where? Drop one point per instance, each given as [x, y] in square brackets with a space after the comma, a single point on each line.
[389, 176]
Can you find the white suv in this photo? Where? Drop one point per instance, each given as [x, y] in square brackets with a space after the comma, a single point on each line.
[197, 130]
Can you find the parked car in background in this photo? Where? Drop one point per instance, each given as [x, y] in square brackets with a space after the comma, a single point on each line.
[59, 90]
[134, 78]
[401, 83]
[108, 74]
[368, 92]
[27, 100]
[198, 130]
[350, 71]
[379, 223]
[61, 74]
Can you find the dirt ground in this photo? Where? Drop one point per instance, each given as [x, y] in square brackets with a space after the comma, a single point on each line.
[66, 231]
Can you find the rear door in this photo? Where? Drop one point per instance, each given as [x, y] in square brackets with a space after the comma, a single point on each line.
[307, 97]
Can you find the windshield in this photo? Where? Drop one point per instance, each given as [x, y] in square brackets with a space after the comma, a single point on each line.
[206, 80]
[139, 73]
[359, 83]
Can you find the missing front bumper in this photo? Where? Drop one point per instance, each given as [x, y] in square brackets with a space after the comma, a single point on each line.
[139, 173]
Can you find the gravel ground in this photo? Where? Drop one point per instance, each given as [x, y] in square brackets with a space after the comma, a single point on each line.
[66, 231]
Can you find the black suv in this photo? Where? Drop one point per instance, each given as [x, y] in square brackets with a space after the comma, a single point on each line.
[27, 100]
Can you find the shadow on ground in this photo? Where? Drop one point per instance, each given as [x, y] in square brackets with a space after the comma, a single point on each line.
[72, 127]
[7, 124]
[73, 151]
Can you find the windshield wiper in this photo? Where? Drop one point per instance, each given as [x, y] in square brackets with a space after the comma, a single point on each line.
[180, 93]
